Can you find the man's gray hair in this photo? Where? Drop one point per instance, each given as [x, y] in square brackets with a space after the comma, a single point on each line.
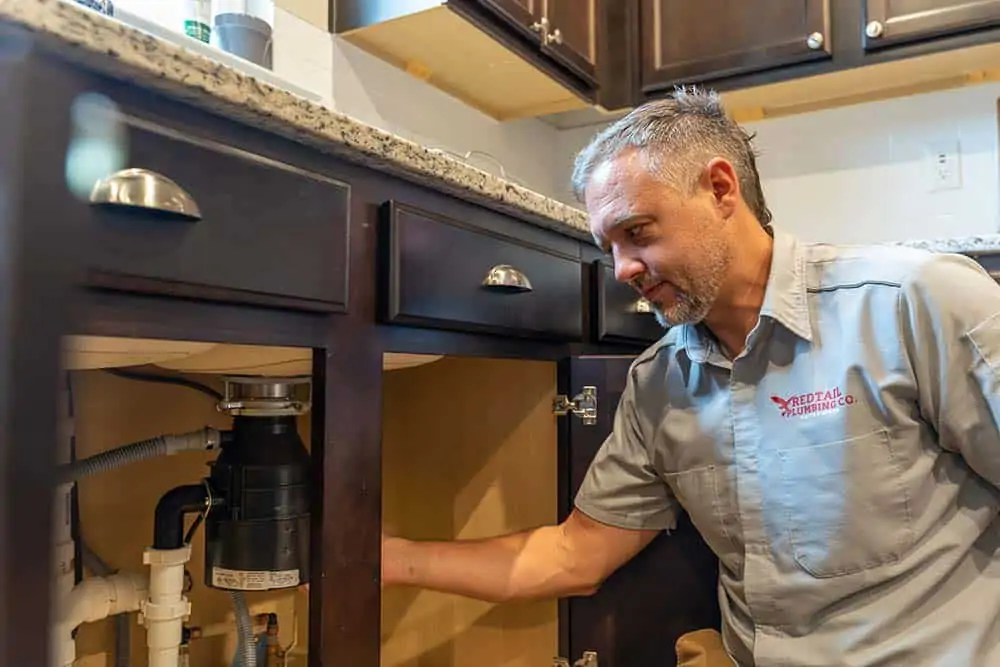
[677, 136]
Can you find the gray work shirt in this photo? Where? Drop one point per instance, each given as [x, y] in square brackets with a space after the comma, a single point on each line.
[844, 468]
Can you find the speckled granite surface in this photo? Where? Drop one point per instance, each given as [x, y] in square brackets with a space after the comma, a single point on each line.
[123, 51]
[983, 243]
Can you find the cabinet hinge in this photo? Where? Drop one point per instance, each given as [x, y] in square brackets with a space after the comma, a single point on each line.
[583, 405]
[589, 659]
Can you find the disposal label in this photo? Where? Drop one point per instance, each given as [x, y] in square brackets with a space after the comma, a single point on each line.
[254, 580]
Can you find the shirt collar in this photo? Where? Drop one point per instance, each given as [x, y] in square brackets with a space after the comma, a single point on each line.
[698, 343]
[785, 295]
[784, 300]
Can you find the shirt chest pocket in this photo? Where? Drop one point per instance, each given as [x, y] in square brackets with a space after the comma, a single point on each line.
[845, 506]
[707, 494]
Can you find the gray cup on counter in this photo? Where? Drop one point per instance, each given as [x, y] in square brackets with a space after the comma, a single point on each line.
[245, 36]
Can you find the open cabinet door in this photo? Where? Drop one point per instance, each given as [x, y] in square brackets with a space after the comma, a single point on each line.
[669, 589]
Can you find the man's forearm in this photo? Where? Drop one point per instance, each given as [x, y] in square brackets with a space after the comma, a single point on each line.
[528, 565]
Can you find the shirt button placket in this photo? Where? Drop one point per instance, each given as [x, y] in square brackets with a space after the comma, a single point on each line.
[746, 444]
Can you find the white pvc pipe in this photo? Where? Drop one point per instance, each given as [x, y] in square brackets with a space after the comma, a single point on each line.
[91, 600]
[166, 608]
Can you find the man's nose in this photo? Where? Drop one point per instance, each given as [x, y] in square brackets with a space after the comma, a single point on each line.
[627, 269]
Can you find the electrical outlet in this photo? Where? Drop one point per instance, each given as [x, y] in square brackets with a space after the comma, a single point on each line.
[943, 165]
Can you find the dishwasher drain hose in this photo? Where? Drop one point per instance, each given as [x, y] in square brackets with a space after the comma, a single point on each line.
[163, 445]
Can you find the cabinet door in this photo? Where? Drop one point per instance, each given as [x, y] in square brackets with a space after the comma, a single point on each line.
[572, 35]
[669, 589]
[524, 15]
[889, 22]
[686, 41]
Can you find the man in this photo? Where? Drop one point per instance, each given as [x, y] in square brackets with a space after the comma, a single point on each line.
[826, 415]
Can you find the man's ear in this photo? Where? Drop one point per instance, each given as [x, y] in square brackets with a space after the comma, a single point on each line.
[719, 178]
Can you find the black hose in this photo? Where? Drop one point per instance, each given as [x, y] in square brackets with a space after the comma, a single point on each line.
[168, 519]
[165, 379]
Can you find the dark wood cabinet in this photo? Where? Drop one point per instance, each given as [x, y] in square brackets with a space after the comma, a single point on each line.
[282, 240]
[668, 590]
[780, 57]
[686, 41]
[619, 313]
[484, 281]
[892, 22]
[522, 15]
[571, 37]
[563, 33]
[585, 44]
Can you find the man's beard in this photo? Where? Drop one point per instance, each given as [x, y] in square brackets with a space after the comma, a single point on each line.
[696, 294]
[688, 308]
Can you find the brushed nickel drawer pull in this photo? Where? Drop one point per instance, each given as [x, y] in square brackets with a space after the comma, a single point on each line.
[643, 306]
[505, 278]
[141, 188]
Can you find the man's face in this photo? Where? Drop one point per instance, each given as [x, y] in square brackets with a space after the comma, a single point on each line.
[672, 248]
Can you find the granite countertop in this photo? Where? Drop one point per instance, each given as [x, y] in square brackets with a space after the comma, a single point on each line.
[112, 47]
[120, 50]
[983, 243]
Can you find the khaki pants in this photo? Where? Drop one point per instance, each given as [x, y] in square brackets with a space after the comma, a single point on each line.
[702, 648]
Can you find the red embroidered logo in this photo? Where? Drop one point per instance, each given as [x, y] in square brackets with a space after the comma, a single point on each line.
[813, 402]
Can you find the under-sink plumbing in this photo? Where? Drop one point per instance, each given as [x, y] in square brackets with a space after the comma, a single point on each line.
[254, 505]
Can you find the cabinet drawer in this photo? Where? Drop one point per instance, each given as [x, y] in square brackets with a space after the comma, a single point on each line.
[264, 231]
[432, 270]
[619, 315]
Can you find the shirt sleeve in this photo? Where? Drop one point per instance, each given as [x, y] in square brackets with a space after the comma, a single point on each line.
[621, 487]
[951, 309]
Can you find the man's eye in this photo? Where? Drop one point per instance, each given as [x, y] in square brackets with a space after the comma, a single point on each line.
[637, 232]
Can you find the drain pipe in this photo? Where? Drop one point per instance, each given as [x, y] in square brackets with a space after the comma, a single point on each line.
[166, 607]
[94, 599]
[123, 642]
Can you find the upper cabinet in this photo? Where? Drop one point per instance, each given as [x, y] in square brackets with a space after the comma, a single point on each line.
[521, 13]
[508, 58]
[565, 30]
[522, 58]
[772, 58]
[571, 35]
[891, 22]
[692, 40]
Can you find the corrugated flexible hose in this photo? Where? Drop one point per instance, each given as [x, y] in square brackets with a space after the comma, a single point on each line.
[163, 445]
[247, 650]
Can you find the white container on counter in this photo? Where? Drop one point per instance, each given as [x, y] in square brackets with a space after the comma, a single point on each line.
[245, 28]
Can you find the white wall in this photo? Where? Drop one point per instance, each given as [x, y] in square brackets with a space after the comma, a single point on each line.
[374, 92]
[364, 87]
[858, 174]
